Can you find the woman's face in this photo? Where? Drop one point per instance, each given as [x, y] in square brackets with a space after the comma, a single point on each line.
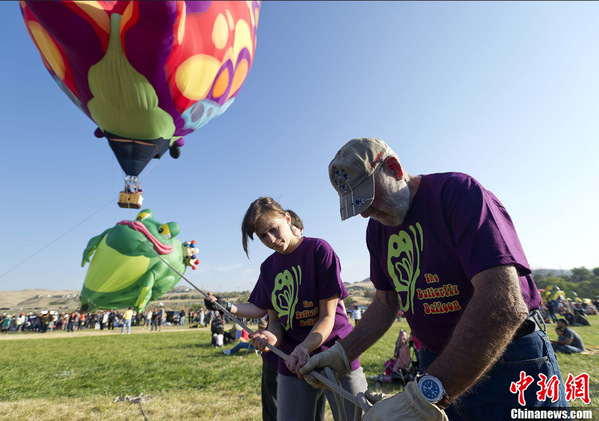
[275, 233]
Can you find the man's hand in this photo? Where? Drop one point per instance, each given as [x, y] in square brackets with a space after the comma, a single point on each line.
[409, 405]
[333, 357]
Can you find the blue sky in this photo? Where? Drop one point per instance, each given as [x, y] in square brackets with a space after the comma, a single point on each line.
[504, 91]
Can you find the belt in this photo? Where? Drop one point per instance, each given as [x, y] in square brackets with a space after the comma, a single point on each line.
[533, 323]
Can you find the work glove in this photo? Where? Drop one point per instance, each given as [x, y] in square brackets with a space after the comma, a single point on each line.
[334, 357]
[211, 299]
[409, 405]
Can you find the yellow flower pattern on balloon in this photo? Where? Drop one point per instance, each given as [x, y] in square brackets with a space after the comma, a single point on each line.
[403, 263]
[285, 294]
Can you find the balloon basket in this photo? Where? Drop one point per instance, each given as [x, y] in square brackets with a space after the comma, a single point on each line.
[130, 200]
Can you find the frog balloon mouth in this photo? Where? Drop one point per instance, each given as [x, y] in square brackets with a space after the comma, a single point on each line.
[139, 227]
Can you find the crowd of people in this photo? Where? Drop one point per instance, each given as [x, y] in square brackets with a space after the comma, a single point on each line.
[574, 312]
[565, 313]
[50, 321]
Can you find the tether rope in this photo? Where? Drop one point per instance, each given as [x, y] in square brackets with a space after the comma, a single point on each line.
[56, 239]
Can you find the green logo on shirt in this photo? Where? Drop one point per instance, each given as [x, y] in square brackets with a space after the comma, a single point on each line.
[403, 263]
[285, 294]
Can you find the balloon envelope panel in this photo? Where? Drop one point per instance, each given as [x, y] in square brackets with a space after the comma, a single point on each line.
[151, 71]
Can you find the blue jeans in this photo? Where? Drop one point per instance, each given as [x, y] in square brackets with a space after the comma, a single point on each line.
[126, 324]
[566, 349]
[241, 345]
[490, 399]
[298, 401]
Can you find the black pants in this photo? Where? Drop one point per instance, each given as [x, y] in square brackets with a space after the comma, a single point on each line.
[269, 390]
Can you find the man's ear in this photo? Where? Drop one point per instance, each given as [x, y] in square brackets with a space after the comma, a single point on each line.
[394, 167]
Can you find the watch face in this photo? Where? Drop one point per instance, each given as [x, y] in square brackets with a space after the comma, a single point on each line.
[430, 389]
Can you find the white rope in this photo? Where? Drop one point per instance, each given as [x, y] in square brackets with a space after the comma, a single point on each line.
[29, 254]
[135, 399]
[338, 400]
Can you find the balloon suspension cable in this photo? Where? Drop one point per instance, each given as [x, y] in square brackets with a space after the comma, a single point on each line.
[28, 258]
[148, 170]
[319, 376]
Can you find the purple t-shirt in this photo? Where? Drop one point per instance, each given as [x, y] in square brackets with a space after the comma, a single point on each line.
[292, 285]
[453, 230]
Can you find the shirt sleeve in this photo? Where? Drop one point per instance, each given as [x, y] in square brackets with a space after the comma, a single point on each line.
[328, 272]
[483, 231]
[260, 296]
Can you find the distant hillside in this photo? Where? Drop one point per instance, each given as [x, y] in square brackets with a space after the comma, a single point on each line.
[38, 299]
[554, 272]
[364, 284]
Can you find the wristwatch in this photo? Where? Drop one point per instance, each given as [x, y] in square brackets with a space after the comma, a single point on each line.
[433, 391]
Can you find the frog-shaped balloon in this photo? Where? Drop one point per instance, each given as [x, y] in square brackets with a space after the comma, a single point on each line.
[128, 267]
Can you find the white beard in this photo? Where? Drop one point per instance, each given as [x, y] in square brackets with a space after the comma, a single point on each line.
[394, 206]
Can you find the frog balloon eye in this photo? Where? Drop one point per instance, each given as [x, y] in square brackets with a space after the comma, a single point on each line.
[165, 230]
[169, 230]
[143, 215]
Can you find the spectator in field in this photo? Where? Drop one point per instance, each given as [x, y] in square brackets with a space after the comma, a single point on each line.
[76, 316]
[208, 317]
[104, 322]
[182, 318]
[137, 319]
[357, 315]
[71, 323]
[244, 343]
[155, 320]
[44, 320]
[111, 319]
[201, 315]
[551, 309]
[81, 321]
[161, 317]
[148, 319]
[232, 335]
[568, 341]
[20, 322]
[5, 325]
[217, 327]
[127, 317]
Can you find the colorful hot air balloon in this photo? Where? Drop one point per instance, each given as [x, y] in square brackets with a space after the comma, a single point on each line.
[552, 292]
[146, 72]
[132, 263]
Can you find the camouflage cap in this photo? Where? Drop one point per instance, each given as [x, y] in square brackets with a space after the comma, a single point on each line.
[352, 174]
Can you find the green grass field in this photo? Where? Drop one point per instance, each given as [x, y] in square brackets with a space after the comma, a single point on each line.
[53, 377]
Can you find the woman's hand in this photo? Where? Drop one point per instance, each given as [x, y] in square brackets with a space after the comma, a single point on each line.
[297, 359]
[261, 338]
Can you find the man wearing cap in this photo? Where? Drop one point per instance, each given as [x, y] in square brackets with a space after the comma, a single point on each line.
[445, 252]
